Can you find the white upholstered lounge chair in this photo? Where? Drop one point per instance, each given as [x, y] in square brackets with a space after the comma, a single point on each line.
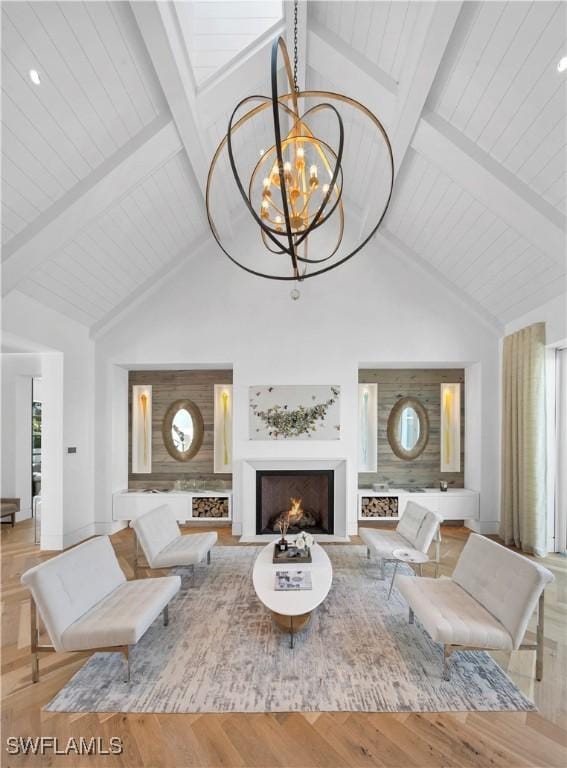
[87, 605]
[163, 544]
[486, 604]
[417, 528]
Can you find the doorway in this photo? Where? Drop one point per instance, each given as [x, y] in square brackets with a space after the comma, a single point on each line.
[559, 456]
[36, 434]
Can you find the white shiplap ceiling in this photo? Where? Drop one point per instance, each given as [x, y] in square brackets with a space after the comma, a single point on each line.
[381, 32]
[123, 248]
[97, 91]
[501, 89]
[216, 32]
[454, 232]
[104, 163]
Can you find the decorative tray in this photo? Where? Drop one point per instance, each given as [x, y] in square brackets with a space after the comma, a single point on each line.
[291, 555]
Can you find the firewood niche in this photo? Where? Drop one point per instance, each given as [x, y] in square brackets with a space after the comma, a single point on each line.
[214, 506]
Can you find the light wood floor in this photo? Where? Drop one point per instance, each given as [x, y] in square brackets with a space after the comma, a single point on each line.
[457, 740]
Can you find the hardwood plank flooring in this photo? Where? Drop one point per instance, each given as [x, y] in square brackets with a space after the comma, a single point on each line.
[310, 740]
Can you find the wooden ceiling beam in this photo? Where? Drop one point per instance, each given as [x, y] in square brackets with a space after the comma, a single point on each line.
[433, 30]
[500, 191]
[60, 223]
[159, 27]
[351, 72]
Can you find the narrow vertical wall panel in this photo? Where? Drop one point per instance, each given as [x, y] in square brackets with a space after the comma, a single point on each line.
[367, 427]
[142, 428]
[223, 428]
[450, 427]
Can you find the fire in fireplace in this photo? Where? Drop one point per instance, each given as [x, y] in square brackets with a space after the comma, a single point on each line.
[304, 497]
[295, 519]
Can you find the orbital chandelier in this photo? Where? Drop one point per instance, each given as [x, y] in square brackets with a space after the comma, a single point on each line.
[292, 186]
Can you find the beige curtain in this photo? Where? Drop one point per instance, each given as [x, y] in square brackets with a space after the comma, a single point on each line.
[523, 497]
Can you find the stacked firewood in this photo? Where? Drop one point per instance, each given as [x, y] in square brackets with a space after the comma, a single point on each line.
[379, 506]
[210, 507]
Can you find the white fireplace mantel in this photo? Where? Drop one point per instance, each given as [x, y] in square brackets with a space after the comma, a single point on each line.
[246, 484]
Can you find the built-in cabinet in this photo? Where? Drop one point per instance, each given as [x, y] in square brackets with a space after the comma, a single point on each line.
[454, 504]
[213, 506]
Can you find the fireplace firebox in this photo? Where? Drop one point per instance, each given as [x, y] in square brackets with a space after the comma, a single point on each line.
[306, 496]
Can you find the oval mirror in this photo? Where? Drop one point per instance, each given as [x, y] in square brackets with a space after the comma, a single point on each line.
[183, 430]
[408, 428]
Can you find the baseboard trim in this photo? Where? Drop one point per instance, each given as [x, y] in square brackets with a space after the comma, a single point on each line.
[58, 542]
[109, 528]
[485, 527]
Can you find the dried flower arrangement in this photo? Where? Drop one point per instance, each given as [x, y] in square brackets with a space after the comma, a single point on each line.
[282, 421]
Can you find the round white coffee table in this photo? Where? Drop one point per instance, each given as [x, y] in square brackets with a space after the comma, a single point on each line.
[292, 610]
[410, 556]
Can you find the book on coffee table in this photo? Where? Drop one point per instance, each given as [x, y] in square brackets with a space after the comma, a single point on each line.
[291, 581]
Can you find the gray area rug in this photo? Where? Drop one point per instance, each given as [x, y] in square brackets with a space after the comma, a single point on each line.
[222, 653]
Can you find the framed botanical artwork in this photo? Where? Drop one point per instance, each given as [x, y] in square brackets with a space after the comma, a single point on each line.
[290, 412]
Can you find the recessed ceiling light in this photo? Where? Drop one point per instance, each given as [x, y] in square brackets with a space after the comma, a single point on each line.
[34, 77]
[562, 66]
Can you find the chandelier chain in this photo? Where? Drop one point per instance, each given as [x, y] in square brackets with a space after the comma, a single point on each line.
[295, 85]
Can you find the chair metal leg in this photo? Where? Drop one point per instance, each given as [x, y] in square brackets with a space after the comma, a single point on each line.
[192, 575]
[393, 577]
[437, 551]
[166, 616]
[382, 569]
[411, 616]
[209, 557]
[34, 642]
[126, 652]
[368, 553]
[136, 554]
[446, 659]
[540, 639]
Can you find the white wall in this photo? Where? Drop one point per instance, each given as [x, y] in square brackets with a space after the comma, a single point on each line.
[372, 310]
[67, 372]
[553, 313]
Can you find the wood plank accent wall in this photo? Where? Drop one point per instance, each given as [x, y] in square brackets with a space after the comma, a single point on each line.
[424, 384]
[168, 386]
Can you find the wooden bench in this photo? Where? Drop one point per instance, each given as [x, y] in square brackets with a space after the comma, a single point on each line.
[8, 508]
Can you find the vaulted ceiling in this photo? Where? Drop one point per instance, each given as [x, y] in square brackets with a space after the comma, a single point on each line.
[105, 161]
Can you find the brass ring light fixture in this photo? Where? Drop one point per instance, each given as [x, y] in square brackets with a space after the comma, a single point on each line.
[292, 204]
